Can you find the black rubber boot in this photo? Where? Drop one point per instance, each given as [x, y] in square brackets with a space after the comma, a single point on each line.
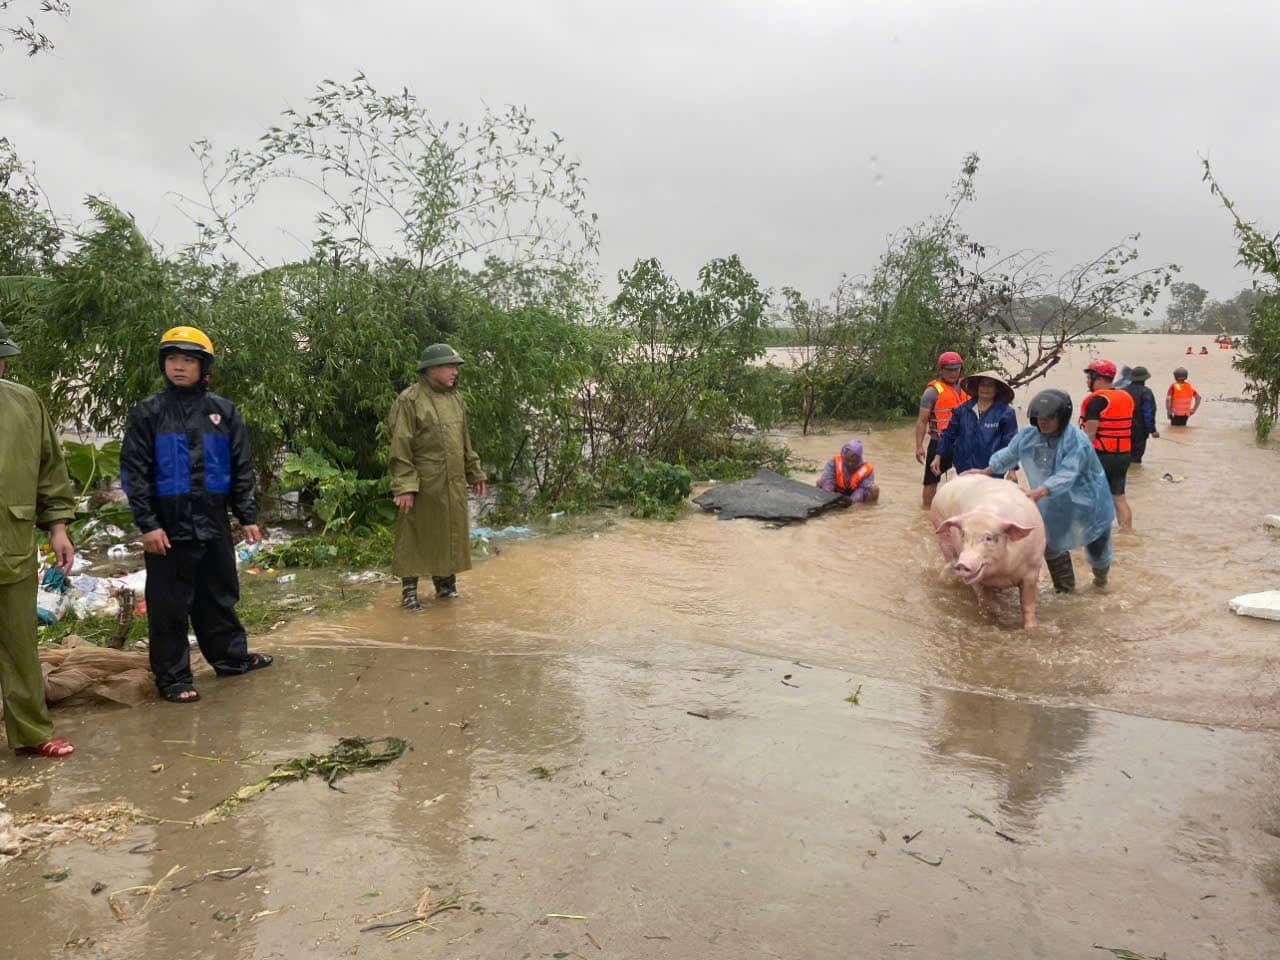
[446, 587]
[1062, 572]
[409, 593]
[1100, 576]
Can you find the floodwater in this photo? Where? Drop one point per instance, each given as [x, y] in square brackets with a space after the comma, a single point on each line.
[713, 739]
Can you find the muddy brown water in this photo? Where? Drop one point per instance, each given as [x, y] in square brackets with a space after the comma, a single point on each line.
[651, 728]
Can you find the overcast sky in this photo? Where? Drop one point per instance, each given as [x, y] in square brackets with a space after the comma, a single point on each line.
[798, 135]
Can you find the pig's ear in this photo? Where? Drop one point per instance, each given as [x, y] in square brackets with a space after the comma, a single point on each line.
[1016, 531]
[957, 521]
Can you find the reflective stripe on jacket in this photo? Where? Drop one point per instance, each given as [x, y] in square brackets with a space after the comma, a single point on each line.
[1115, 423]
[850, 484]
[949, 398]
[185, 459]
[1181, 396]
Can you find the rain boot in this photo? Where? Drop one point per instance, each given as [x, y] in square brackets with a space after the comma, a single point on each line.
[1062, 572]
[446, 587]
[409, 593]
[1100, 576]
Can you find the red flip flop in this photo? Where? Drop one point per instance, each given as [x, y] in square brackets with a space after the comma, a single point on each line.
[56, 748]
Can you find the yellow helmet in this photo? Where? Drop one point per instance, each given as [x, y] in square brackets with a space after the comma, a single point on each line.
[188, 339]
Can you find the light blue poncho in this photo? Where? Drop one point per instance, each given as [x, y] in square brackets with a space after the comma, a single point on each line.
[1078, 509]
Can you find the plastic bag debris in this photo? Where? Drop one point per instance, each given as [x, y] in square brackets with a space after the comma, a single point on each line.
[488, 533]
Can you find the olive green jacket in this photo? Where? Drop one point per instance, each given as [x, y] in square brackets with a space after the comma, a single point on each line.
[34, 487]
[431, 456]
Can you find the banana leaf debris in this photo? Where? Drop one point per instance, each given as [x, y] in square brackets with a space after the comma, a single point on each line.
[347, 756]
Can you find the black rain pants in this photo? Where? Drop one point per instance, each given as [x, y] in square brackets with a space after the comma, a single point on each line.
[194, 581]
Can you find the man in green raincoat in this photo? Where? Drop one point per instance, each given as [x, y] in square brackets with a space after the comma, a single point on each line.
[432, 465]
[34, 491]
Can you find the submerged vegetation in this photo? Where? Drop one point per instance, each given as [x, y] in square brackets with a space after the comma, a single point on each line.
[1260, 361]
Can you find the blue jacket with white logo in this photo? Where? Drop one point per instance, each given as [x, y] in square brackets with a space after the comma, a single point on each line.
[184, 460]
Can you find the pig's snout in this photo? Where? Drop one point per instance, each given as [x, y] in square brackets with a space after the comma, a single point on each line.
[968, 569]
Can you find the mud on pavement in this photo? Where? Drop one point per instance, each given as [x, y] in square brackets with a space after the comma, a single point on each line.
[683, 803]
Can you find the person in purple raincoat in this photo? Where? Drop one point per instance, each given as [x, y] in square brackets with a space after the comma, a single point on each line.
[849, 474]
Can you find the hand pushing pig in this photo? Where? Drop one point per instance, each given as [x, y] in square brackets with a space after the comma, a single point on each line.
[993, 537]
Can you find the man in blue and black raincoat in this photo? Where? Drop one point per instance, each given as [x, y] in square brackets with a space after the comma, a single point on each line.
[185, 460]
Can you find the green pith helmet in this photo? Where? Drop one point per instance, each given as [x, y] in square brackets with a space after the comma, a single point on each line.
[7, 347]
[438, 355]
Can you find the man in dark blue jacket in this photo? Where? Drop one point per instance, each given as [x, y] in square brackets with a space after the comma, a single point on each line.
[185, 460]
[1144, 412]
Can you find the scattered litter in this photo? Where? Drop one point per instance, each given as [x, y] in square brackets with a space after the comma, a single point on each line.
[1173, 477]
[1271, 521]
[923, 859]
[367, 576]
[564, 916]
[855, 697]
[1004, 836]
[347, 756]
[1264, 606]
[695, 713]
[117, 551]
[150, 889]
[908, 837]
[287, 578]
[434, 800]
[227, 873]
[57, 876]
[787, 684]
[98, 887]
[488, 533]
[1127, 774]
[1124, 954]
[421, 916]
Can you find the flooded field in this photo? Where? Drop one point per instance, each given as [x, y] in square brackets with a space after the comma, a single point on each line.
[715, 739]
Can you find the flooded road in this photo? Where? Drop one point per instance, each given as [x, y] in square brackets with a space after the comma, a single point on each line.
[716, 739]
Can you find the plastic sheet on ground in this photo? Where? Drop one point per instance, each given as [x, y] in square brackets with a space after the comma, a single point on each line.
[1264, 606]
[87, 596]
[273, 536]
[488, 533]
[76, 672]
[769, 496]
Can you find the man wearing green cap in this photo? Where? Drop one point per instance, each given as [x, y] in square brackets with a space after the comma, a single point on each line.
[34, 491]
[432, 465]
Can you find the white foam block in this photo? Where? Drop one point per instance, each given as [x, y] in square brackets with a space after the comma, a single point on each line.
[1265, 606]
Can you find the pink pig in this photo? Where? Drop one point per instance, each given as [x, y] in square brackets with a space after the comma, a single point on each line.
[993, 537]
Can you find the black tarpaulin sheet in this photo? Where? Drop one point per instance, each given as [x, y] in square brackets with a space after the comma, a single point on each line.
[768, 496]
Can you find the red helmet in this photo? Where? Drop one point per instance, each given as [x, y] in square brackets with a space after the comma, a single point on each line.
[950, 359]
[1103, 368]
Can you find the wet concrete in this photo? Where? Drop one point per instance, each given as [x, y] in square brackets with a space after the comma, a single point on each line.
[614, 727]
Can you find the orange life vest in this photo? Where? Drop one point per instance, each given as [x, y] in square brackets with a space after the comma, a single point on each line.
[1180, 396]
[858, 476]
[949, 398]
[1115, 423]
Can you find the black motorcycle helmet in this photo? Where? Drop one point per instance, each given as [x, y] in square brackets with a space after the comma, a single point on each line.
[1055, 404]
